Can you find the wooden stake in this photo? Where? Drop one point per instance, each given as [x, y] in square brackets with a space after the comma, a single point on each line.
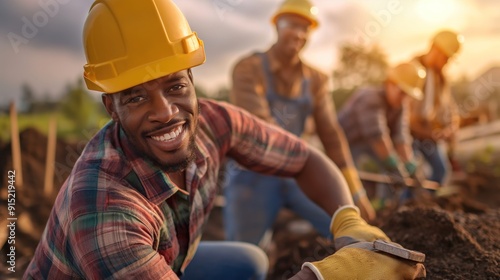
[48, 186]
[16, 147]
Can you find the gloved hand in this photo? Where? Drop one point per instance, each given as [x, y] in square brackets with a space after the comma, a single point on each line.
[411, 166]
[351, 262]
[358, 193]
[395, 169]
[418, 177]
[348, 225]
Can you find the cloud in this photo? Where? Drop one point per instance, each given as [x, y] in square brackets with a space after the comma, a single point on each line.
[46, 70]
[43, 23]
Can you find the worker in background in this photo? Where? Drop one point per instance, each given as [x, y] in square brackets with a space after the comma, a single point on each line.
[434, 119]
[375, 121]
[278, 87]
[137, 199]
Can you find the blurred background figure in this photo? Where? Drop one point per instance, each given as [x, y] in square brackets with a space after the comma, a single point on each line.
[375, 121]
[280, 88]
[435, 119]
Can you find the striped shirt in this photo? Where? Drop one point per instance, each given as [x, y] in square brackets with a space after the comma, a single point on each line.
[367, 116]
[119, 216]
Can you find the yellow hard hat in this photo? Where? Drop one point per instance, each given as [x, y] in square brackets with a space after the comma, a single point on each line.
[409, 77]
[130, 42]
[448, 42]
[303, 8]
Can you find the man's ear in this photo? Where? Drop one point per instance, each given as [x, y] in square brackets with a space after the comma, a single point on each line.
[107, 100]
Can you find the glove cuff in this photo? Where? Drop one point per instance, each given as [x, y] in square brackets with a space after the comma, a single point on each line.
[355, 187]
[411, 167]
[391, 161]
[314, 269]
[342, 208]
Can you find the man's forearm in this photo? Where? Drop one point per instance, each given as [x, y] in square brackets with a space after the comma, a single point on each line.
[382, 147]
[336, 146]
[323, 183]
[404, 151]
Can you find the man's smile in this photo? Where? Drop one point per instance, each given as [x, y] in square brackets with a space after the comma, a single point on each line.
[170, 138]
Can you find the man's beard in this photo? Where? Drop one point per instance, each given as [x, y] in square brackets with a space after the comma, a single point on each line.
[183, 164]
[176, 166]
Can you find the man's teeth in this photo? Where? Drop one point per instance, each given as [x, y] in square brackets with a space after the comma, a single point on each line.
[168, 136]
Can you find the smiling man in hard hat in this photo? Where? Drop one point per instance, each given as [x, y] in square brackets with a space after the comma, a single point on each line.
[278, 87]
[136, 201]
[434, 119]
[375, 121]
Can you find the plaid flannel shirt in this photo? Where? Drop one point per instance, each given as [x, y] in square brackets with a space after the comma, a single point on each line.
[119, 216]
[367, 116]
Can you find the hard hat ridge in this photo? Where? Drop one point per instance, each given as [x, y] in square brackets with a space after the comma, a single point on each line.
[409, 77]
[449, 42]
[303, 8]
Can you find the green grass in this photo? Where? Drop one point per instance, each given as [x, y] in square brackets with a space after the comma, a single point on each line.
[66, 129]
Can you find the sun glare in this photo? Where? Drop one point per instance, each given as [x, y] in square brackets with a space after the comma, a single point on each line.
[436, 12]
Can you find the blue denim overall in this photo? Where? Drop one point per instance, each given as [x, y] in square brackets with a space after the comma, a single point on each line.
[253, 200]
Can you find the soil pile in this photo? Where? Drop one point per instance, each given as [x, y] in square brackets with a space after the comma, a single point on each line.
[460, 236]
[457, 245]
[32, 207]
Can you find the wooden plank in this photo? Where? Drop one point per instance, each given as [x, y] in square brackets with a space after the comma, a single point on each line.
[478, 131]
[48, 186]
[16, 147]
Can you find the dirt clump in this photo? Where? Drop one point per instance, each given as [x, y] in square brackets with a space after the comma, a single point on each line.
[462, 243]
[457, 245]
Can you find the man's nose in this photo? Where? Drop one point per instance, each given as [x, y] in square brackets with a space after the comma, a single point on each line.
[300, 32]
[162, 110]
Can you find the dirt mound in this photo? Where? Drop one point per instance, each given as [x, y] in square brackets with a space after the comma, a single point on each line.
[458, 234]
[32, 207]
[33, 153]
[457, 245]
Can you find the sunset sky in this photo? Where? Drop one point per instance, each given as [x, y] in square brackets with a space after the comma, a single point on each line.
[51, 56]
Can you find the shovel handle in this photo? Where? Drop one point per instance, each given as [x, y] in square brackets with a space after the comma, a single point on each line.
[381, 178]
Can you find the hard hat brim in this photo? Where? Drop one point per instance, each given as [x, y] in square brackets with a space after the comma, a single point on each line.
[414, 92]
[145, 73]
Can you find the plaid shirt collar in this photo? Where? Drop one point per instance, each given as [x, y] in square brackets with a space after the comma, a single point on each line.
[156, 184]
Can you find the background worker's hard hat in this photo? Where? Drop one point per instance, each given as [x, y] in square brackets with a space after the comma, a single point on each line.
[448, 42]
[130, 42]
[409, 77]
[303, 8]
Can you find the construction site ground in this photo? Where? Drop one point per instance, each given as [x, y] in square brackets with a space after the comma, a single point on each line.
[458, 232]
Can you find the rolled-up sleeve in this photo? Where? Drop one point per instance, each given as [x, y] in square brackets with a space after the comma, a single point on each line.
[116, 245]
[255, 144]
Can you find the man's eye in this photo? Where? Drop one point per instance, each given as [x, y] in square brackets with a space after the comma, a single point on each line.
[176, 88]
[135, 99]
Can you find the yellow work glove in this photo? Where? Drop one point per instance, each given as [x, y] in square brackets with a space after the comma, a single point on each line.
[357, 263]
[355, 259]
[358, 193]
[348, 225]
